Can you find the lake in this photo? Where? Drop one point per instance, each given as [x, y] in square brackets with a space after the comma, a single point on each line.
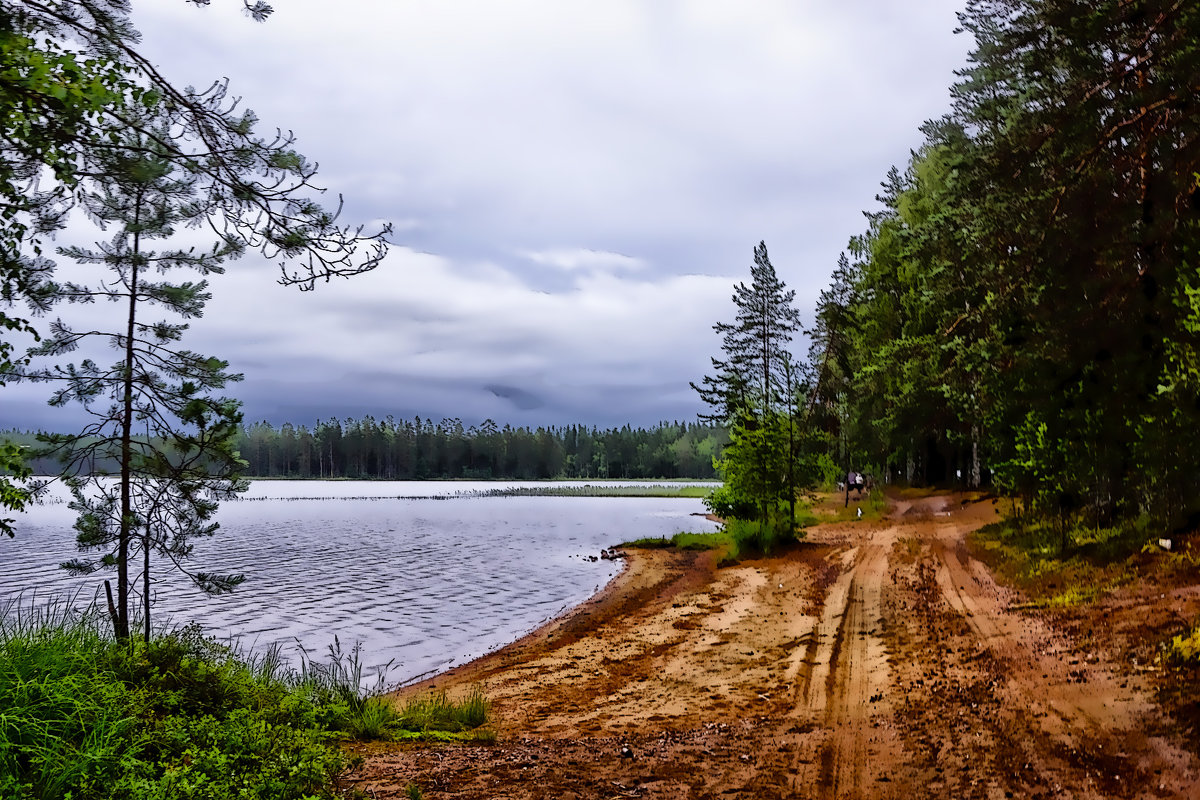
[422, 574]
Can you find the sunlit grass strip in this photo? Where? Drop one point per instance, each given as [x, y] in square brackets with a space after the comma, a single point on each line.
[723, 541]
[1029, 556]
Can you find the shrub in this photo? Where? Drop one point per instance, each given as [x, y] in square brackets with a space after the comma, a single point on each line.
[726, 504]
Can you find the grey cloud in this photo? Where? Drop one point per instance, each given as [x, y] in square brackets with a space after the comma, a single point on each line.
[521, 399]
[577, 187]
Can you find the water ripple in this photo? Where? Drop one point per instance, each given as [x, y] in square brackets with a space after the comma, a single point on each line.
[420, 583]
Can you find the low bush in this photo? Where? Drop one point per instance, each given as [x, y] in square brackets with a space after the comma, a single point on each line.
[83, 716]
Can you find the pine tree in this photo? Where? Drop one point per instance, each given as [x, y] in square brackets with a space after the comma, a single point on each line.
[752, 382]
[147, 472]
[72, 80]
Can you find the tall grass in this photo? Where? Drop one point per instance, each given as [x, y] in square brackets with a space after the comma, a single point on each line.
[84, 716]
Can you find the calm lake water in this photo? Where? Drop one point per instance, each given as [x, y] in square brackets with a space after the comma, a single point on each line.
[419, 574]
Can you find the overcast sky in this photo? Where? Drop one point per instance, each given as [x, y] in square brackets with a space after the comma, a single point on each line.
[575, 188]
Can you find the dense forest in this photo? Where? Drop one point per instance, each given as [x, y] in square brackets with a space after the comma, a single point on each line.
[1025, 306]
[419, 449]
[1023, 310]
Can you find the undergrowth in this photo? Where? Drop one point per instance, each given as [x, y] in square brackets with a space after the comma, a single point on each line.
[84, 716]
[1030, 556]
[1184, 649]
[873, 504]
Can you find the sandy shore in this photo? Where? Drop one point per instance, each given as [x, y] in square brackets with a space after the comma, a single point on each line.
[877, 659]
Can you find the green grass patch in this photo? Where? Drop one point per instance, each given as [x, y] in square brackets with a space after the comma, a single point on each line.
[438, 712]
[84, 716]
[1030, 557]
[736, 539]
[723, 541]
[872, 503]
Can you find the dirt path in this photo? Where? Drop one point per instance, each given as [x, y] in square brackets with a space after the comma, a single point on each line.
[878, 660]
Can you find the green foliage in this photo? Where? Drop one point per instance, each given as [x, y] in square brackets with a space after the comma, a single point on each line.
[722, 541]
[737, 538]
[600, 490]
[14, 471]
[84, 716]
[181, 716]
[170, 477]
[830, 473]
[757, 392]
[754, 537]
[421, 449]
[436, 711]
[1026, 297]
[726, 503]
[77, 102]
[1030, 556]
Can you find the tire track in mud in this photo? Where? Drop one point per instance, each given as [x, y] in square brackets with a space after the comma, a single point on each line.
[843, 685]
[879, 660]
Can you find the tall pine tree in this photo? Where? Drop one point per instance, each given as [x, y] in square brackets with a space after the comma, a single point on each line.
[157, 456]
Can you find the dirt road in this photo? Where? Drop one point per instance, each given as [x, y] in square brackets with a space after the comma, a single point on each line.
[877, 660]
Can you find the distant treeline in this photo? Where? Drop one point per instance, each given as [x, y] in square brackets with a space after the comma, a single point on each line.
[420, 449]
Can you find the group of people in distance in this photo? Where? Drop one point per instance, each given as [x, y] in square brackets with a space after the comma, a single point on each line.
[855, 481]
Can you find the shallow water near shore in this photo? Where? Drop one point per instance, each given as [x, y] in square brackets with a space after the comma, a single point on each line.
[422, 574]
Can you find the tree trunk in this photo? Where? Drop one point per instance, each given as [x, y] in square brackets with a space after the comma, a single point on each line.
[146, 583]
[976, 477]
[121, 626]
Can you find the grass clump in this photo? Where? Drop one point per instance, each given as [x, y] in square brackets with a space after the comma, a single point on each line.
[437, 712]
[738, 537]
[723, 541]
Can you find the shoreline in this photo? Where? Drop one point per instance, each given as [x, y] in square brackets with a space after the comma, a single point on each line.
[420, 683]
[640, 567]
